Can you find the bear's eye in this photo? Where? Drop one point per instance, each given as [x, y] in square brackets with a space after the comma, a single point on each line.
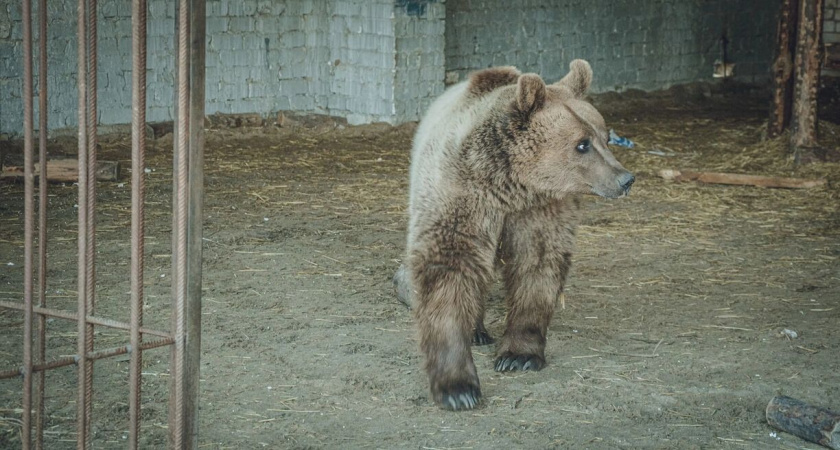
[583, 146]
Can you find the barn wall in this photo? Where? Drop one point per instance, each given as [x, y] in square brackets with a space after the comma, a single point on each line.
[419, 57]
[831, 22]
[333, 57]
[385, 60]
[647, 44]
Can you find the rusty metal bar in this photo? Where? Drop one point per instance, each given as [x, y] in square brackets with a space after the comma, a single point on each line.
[41, 349]
[138, 195]
[188, 182]
[10, 374]
[28, 224]
[82, 422]
[100, 354]
[90, 319]
[90, 266]
[179, 228]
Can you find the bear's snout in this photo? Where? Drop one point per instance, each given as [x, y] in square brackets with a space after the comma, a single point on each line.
[625, 181]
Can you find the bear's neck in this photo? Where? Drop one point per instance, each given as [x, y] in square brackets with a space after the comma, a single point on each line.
[486, 170]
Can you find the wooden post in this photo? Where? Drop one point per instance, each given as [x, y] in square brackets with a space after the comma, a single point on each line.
[783, 68]
[188, 200]
[807, 69]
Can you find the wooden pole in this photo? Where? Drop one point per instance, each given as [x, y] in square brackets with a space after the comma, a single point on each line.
[807, 70]
[188, 199]
[783, 69]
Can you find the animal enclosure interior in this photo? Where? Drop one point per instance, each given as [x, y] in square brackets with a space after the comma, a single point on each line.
[672, 334]
[712, 288]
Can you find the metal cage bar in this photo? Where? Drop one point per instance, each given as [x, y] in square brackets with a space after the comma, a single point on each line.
[188, 185]
[138, 194]
[82, 435]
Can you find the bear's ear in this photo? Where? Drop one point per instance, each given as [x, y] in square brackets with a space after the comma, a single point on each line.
[530, 93]
[579, 78]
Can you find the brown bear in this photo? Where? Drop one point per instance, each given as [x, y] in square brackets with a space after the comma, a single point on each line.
[496, 167]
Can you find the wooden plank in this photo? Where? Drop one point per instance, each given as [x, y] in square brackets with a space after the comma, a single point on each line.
[67, 171]
[814, 424]
[740, 179]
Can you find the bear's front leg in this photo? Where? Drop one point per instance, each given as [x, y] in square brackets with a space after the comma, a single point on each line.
[402, 286]
[536, 250]
[447, 310]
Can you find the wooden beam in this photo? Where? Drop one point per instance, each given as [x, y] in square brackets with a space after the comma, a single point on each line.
[807, 77]
[739, 179]
[783, 69]
[67, 171]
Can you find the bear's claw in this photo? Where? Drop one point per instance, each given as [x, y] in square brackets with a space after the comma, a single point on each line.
[510, 362]
[462, 397]
[482, 337]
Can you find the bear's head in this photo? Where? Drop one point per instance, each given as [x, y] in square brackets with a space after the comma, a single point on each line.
[559, 140]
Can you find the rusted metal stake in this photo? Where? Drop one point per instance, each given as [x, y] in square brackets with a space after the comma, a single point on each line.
[138, 194]
[82, 417]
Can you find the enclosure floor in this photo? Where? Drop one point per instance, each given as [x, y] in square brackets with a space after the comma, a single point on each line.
[671, 335]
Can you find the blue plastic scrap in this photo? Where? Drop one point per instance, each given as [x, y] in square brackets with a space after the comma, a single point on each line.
[620, 141]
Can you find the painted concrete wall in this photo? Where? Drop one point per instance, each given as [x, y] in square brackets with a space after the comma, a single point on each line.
[335, 57]
[385, 60]
[646, 44]
[831, 22]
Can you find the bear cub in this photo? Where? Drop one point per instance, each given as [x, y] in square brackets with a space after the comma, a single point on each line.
[497, 164]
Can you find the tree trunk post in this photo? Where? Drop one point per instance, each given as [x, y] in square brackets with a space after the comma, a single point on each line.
[807, 69]
[783, 68]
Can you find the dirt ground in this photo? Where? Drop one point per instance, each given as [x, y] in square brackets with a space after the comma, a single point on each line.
[671, 335]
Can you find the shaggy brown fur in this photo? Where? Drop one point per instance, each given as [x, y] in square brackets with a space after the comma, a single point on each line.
[488, 80]
[496, 167]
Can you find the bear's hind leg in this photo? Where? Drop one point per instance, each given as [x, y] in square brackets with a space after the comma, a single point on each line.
[536, 248]
[480, 334]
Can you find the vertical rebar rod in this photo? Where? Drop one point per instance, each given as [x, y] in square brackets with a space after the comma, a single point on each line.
[179, 238]
[40, 355]
[82, 435]
[138, 194]
[91, 116]
[28, 224]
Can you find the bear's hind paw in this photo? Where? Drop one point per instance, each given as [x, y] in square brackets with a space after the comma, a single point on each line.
[482, 337]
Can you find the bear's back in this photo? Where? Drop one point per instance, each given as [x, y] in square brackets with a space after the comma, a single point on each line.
[449, 120]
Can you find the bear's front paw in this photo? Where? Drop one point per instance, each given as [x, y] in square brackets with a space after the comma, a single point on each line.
[508, 362]
[459, 396]
[482, 337]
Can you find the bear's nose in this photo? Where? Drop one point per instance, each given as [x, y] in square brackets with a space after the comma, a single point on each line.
[625, 181]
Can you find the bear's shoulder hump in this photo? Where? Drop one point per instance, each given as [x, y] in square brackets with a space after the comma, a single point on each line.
[488, 80]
